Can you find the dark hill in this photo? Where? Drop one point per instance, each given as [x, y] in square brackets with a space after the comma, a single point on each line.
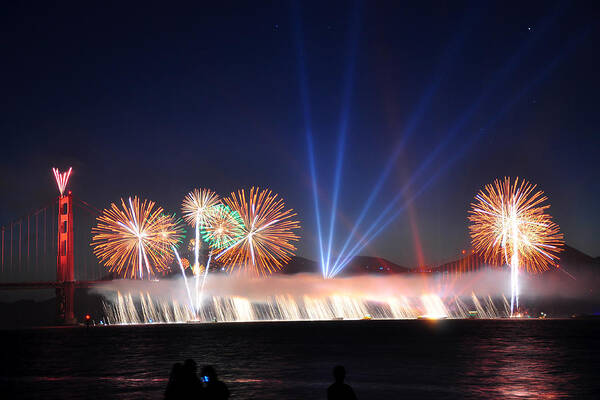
[576, 261]
[358, 265]
[570, 259]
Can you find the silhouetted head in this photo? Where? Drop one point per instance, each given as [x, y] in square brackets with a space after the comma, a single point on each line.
[176, 371]
[190, 366]
[339, 373]
[209, 371]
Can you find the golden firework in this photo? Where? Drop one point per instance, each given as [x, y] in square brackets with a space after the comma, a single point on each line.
[135, 240]
[509, 222]
[185, 263]
[197, 206]
[265, 244]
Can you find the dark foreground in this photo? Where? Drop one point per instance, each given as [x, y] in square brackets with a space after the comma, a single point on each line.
[385, 359]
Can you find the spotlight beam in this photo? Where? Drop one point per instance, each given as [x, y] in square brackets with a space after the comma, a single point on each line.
[368, 236]
[313, 173]
[349, 83]
[302, 79]
[449, 55]
[500, 76]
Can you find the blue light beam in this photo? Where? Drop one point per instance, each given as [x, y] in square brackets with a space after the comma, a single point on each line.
[443, 69]
[500, 76]
[366, 239]
[304, 94]
[349, 83]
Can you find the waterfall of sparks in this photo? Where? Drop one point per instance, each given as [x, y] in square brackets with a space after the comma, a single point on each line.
[130, 309]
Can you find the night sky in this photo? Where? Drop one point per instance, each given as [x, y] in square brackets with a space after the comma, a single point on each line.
[156, 100]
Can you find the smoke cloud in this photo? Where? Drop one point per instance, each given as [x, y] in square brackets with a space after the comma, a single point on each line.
[489, 282]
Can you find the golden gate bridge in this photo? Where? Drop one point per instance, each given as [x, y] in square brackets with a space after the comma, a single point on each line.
[47, 249]
[38, 250]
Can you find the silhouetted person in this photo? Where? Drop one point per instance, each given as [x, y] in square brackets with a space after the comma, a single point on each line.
[214, 389]
[192, 387]
[174, 387]
[339, 390]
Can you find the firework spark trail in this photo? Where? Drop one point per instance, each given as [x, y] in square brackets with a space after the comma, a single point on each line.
[224, 226]
[61, 179]
[204, 278]
[196, 251]
[265, 245]
[197, 208]
[135, 236]
[187, 287]
[509, 224]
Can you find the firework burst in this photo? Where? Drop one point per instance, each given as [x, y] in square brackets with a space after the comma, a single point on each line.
[185, 263]
[224, 227]
[197, 206]
[265, 245]
[135, 240]
[509, 224]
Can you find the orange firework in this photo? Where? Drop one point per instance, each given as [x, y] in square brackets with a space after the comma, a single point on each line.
[136, 240]
[509, 224]
[185, 263]
[265, 243]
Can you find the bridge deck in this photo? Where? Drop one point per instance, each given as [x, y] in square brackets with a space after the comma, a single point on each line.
[45, 285]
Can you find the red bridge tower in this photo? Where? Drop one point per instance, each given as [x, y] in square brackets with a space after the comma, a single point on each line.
[65, 272]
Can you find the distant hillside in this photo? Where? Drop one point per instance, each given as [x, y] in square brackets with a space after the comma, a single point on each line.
[578, 274]
[577, 271]
[301, 265]
[576, 261]
[571, 260]
[358, 265]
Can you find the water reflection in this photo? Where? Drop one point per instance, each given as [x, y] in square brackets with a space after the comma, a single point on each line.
[514, 365]
[453, 359]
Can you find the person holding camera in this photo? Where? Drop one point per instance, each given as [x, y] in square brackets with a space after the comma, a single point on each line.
[214, 389]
